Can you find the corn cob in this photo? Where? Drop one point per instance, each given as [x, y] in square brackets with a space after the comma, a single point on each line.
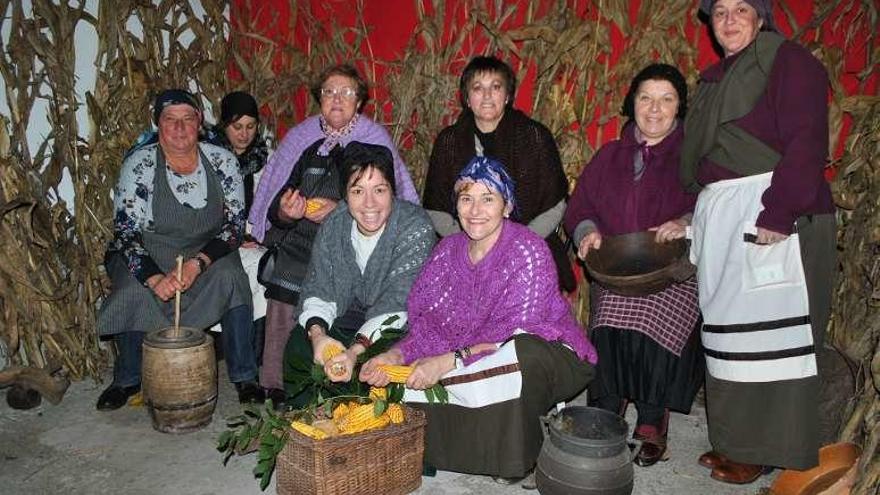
[370, 423]
[330, 351]
[340, 411]
[377, 393]
[313, 205]
[397, 374]
[395, 413]
[356, 414]
[308, 430]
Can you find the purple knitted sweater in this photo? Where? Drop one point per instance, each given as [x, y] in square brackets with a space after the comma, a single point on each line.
[454, 303]
[284, 160]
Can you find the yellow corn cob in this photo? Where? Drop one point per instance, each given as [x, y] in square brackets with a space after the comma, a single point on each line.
[308, 430]
[356, 414]
[371, 423]
[397, 374]
[378, 393]
[330, 351]
[340, 411]
[313, 205]
[395, 413]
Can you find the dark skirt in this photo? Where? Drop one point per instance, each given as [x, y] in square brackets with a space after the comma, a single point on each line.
[633, 366]
[505, 439]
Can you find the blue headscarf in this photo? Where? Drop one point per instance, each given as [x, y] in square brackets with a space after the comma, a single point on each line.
[492, 174]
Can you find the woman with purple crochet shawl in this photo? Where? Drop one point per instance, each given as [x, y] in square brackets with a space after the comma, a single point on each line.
[487, 320]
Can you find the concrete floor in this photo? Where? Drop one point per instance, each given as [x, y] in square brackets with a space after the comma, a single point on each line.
[74, 449]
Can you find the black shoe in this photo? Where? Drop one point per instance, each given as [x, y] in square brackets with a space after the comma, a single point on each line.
[278, 398]
[249, 393]
[115, 397]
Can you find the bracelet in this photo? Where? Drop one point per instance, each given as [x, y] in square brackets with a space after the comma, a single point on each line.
[203, 265]
[363, 340]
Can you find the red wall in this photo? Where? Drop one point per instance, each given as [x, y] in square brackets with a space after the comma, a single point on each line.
[392, 23]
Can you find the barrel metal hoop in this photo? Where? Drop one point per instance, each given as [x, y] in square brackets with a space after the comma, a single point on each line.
[181, 407]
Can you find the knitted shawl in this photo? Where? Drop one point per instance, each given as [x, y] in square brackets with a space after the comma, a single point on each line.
[524, 146]
[454, 303]
[334, 276]
[297, 140]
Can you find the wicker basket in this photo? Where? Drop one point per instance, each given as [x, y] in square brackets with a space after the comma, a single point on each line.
[386, 461]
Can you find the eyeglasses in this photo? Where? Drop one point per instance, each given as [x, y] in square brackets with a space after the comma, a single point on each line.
[344, 92]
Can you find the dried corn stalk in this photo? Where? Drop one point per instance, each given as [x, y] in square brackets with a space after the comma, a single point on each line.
[50, 266]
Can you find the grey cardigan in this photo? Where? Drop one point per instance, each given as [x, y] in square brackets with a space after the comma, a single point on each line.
[334, 276]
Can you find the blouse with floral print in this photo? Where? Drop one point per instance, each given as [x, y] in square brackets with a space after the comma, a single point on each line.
[133, 196]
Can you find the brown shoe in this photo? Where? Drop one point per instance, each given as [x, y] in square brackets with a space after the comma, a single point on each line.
[653, 447]
[712, 459]
[651, 452]
[739, 474]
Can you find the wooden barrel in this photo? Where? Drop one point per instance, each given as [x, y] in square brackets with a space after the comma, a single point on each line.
[179, 379]
[585, 454]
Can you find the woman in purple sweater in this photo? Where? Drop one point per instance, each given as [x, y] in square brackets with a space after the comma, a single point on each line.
[487, 320]
[763, 240]
[649, 352]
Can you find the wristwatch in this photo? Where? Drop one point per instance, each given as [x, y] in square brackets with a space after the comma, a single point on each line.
[458, 359]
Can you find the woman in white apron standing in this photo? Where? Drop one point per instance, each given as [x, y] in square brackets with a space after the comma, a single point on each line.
[756, 140]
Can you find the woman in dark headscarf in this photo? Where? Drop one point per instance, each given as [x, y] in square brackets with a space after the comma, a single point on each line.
[240, 131]
[490, 126]
[756, 141]
[648, 349]
[174, 197]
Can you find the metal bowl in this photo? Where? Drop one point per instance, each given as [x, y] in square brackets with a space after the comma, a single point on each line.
[636, 265]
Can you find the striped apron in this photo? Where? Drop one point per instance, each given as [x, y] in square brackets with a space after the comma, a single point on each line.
[761, 372]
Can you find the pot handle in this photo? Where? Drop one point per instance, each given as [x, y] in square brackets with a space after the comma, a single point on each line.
[682, 270]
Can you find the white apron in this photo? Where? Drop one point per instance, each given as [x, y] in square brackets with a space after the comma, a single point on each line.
[753, 297]
[490, 380]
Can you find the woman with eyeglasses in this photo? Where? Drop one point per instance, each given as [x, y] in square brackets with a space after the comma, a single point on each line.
[489, 126]
[299, 188]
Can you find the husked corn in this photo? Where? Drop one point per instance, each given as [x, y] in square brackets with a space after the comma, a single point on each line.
[378, 393]
[340, 411]
[331, 351]
[308, 430]
[395, 413]
[313, 205]
[397, 374]
[356, 414]
[370, 423]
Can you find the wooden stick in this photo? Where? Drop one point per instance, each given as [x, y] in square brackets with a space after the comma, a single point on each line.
[177, 298]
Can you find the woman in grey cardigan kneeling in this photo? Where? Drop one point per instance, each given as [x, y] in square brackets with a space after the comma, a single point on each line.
[364, 261]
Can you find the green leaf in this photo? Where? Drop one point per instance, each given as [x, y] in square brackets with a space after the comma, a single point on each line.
[224, 440]
[395, 392]
[379, 407]
[267, 475]
[441, 393]
[391, 319]
[429, 394]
